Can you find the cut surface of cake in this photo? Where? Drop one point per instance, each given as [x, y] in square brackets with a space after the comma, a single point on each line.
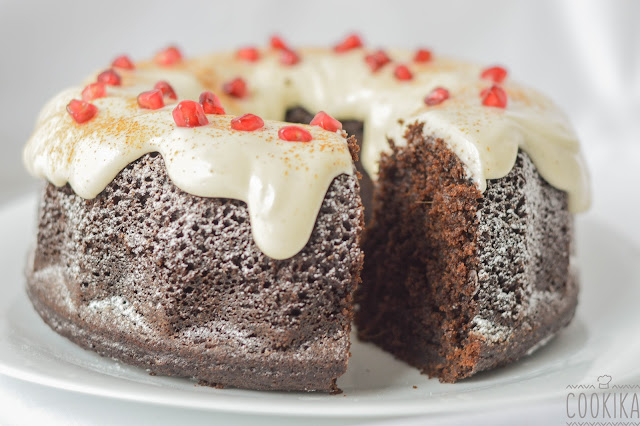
[459, 281]
[185, 230]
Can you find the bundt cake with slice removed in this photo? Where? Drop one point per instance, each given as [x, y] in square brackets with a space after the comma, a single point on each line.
[183, 230]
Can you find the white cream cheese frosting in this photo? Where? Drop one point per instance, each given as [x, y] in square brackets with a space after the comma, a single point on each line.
[284, 183]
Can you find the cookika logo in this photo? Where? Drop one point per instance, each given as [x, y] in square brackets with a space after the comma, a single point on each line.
[603, 381]
[606, 400]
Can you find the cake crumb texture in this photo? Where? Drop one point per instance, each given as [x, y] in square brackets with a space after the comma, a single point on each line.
[457, 281]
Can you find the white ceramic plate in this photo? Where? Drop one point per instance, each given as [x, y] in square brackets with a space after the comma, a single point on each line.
[601, 340]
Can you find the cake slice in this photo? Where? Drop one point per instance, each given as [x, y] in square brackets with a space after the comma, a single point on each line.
[457, 281]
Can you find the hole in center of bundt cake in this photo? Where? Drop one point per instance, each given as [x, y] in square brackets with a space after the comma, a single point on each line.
[353, 128]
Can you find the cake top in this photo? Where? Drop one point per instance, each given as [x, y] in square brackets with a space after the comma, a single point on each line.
[186, 109]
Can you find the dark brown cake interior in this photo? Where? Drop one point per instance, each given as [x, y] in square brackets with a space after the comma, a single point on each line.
[457, 281]
[424, 230]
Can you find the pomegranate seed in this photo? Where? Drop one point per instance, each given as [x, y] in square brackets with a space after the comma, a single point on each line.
[249, 54]
[495, 74]
[402, 73]
[94, 91]
[151, 99]
[352, 41]
[422, 55]
[123, 62]
[236, 88]
[437, 96]
[494, 96]
[326, 121]
[81, 111]
[289, 57]
[294, 134]
[211, 103]
[189, 114]
[166, 90]
[109, 77]
[169, 56]
[277, 43]
[247, 123]
[377, 60]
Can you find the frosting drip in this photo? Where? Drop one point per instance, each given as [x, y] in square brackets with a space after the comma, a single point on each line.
[284, 183]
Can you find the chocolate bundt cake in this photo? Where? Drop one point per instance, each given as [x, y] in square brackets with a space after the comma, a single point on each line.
[153, 276]
[181, 232]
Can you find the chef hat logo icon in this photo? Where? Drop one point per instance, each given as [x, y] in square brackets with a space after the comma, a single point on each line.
[603, 381]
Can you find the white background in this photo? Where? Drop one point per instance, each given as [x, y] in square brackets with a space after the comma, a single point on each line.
[584, 54]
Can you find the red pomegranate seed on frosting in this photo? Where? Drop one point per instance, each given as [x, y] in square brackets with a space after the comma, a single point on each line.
[169, 56]
[495, 74]
[250, 54]
[109, 77]
[123, 62]
[437, 96]
[94, 91]
[422, 55]
[326, 121]
[402, 73]
[151, 99]
[277, 42]
[166, 89]
[189, 114]
[236, 88]
[494, 96]
[247, 123]
[211, 103]
[377, 60]
[294, 134]
[81, 111]
[352, 41]
[289, 57]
